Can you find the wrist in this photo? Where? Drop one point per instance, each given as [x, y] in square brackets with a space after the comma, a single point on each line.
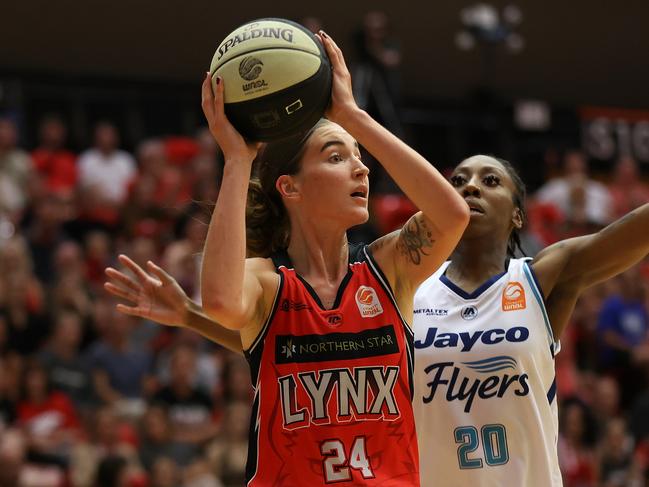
[190, 309]
[351, 118]
[238, 161]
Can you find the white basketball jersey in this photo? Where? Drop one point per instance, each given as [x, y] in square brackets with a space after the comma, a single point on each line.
[485, 405]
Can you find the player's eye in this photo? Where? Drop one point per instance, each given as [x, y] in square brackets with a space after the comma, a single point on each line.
[335, 157]
[491, 180]
[457, 180]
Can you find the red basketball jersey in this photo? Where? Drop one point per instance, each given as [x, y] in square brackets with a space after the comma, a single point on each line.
[333, 388]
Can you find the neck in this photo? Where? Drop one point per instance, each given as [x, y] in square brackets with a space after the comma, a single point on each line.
[317, 251]
[477, 259]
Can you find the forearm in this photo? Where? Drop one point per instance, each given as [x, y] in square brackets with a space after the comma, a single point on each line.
[617, 247]
[416, 177]
[197, 321]
[225, 245]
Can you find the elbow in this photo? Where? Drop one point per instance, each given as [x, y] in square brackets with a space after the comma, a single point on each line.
[221, 310]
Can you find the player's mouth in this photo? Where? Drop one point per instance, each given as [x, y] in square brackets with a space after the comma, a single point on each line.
[475, 208]
[360, 193]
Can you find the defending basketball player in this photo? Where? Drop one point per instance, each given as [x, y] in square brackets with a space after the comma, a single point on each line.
[321, 322]
[487, 327]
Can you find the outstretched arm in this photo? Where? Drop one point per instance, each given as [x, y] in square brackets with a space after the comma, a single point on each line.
[568, 267]
[156, 296]
[413, 253]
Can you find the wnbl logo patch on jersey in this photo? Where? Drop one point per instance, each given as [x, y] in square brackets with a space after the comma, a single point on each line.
[513, 297]
[368, 302]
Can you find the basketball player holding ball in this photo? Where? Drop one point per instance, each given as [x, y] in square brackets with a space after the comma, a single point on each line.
[324, 325]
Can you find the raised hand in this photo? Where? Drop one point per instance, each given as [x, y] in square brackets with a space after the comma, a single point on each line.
[155, 295]
[231, 142]
[342, 104]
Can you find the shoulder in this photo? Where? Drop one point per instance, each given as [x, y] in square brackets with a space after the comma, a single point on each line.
[261, 267]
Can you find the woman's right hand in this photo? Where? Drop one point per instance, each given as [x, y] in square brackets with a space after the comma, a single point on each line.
[155, 296]
[231, 142]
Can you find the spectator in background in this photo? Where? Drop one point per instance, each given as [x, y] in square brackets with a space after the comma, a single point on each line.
[97, 252]
[69, 291]
[191, 410]
[627, 189]
[15, 171]
[575, 446]
[120, 370]
[105, 174]
[615, 455]
[47, 416]
[623, 326]
[157, 441]
[227, 454]
[108, 437]
[153, 193]
[45, 232]
[583, 201]
[22, 298]
[236, 380]
[56, 165]
[183, 256]
[209, 359]
[376, 76]
[160, 192]
[67, 371]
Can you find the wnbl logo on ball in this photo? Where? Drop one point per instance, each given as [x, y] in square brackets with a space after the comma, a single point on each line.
[250, 68]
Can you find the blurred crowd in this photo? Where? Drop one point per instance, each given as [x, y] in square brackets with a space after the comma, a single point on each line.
[92, 397]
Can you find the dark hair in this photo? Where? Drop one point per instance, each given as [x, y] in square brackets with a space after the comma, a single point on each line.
[109, 471]
[267, 223]
[519, 201]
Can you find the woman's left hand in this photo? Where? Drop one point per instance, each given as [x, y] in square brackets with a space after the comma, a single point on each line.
[342, 105]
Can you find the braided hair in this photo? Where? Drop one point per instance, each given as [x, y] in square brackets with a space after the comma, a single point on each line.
[514, 243]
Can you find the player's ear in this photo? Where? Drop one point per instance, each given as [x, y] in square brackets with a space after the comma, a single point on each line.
[287, 187]
[517, 218]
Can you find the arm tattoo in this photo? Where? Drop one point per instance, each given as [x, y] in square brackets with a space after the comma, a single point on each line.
[415, 237]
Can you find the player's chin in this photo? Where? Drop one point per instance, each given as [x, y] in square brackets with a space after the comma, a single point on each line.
[478, 225]
[357, 216]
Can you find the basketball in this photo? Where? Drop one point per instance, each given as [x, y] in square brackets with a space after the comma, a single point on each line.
[277, 78]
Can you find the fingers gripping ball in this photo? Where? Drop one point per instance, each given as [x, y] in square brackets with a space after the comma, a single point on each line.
[277, 78]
